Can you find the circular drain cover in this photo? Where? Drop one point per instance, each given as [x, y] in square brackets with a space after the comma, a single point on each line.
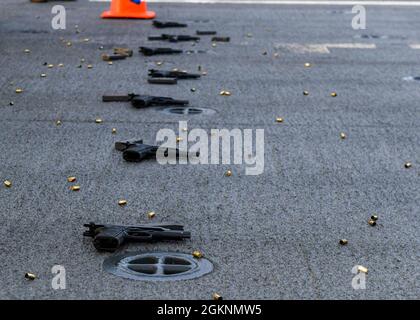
[157, 266]
[187, 110]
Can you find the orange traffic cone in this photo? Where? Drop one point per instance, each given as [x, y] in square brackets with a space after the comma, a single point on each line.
[132, 9]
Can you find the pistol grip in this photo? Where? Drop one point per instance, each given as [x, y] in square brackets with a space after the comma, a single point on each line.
[109, 239]
[139, 153]
[140, 103]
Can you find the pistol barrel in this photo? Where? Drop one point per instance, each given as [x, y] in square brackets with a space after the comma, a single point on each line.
[125, 98]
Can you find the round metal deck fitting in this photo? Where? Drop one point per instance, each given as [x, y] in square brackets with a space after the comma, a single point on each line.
[157, 266]
[187, 110]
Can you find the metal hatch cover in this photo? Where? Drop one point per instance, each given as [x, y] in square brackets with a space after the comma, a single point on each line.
[157, 266]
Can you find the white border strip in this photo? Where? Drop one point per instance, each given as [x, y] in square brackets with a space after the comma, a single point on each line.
[292, 2]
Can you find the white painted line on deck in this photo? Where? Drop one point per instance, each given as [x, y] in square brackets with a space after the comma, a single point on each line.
[302, 48]
[322, 48]
[415, 46]
[291, 2]
[351, 45]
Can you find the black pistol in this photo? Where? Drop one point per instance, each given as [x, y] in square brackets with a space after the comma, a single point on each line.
[168, 24]
[147, 51]
[136, 151]
[162, 80]
[220, 39]
[178, 74]
[173, 38]
[205, 33]
[111, 237]
[144, 101]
